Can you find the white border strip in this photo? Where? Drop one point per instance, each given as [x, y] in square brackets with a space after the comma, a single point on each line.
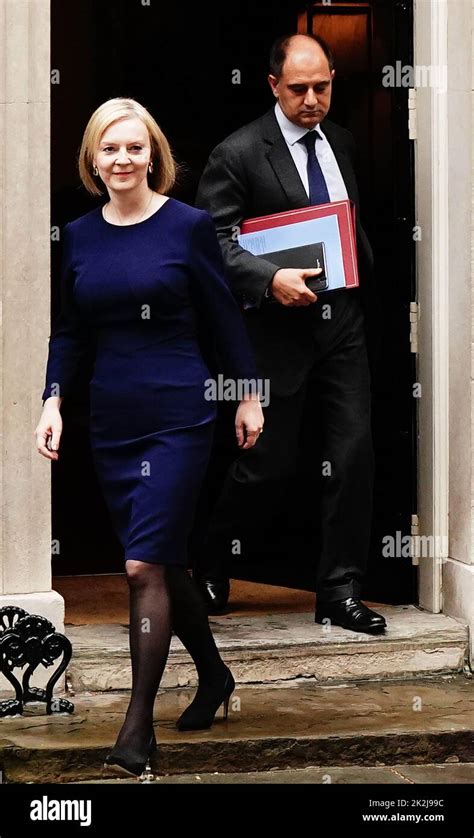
[440, 298]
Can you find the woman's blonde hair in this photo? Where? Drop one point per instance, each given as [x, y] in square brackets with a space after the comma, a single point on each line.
[165, 168]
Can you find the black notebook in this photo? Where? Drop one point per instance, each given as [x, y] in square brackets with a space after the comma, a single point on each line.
[303, 256]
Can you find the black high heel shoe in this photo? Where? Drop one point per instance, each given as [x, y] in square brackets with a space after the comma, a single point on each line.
[200, 713]
[119, 766]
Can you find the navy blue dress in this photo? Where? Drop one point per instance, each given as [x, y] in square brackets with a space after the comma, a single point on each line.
[137, 289]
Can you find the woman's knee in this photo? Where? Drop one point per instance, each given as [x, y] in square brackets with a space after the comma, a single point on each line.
[139, 573]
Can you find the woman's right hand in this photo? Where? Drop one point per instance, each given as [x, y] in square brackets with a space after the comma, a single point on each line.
[49, 427]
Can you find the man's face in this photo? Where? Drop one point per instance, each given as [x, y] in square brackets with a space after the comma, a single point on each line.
[305, 86]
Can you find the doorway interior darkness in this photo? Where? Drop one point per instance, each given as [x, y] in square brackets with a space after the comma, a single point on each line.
[177, 59]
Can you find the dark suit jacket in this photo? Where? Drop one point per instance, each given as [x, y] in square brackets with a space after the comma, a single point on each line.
[252, 173]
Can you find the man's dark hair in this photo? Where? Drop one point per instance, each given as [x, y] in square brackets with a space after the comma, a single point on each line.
[279, 51]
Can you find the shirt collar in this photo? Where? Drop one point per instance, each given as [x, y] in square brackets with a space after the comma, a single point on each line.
[292, 132]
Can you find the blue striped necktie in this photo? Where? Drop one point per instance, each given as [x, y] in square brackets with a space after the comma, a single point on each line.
[318, 191]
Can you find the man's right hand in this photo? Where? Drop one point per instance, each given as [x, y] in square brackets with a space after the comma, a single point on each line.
[288, 286]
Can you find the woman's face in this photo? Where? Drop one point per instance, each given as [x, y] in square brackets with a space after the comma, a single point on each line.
[123, 154]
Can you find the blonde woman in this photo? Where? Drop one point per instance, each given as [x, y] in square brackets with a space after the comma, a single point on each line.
[133, 270]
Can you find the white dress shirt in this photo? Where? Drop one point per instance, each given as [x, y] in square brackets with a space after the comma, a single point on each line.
[329, 167]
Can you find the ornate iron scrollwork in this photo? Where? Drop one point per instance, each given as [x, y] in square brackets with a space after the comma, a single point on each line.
[30, 640]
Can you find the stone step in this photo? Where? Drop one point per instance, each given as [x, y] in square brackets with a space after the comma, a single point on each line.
[447, 774]
[280, 726]
[283, 647]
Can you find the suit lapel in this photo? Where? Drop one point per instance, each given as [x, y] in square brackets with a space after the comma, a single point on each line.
[281, 161]
[283, 165]
[330, 130]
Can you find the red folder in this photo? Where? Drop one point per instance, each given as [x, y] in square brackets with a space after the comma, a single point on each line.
[345, 212]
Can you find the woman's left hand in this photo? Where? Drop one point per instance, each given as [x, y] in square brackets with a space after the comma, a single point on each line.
[248, 422]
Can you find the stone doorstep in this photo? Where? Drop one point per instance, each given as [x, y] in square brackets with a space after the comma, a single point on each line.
[447, 774]
[280, 647]
[418, 722]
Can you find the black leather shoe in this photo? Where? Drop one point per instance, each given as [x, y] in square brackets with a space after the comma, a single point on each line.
[209, 697]
[120, 765]
[215, 593]
[351, 614]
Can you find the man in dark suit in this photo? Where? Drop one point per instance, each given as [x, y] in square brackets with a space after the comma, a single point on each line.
[303, 343]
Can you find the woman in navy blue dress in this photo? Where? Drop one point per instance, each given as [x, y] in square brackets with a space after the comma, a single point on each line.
[135, 273]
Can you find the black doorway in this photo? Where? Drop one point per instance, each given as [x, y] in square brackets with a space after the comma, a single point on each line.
[178, 61]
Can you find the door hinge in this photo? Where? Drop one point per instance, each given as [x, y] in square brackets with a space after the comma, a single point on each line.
[412, 113]
[414, 317]
[415, 543]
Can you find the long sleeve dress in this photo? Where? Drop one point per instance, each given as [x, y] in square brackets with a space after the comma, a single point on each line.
[136, 288]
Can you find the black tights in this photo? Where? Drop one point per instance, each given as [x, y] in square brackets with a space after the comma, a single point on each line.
[163, 599]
